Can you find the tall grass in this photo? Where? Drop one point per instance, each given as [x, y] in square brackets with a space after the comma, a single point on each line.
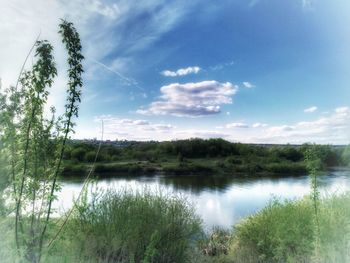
[122, 226]
[285, 232]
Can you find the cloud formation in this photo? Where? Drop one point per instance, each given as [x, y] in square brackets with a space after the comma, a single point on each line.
[331, 128]
[310, 109]
[181, 72]
[221, 66]
[132, 129]
[237, 125]
[259, 125]
[248, 84]
[192, 99]
[96, 21]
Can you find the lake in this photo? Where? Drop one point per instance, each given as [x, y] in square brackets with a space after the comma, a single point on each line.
[219, 200]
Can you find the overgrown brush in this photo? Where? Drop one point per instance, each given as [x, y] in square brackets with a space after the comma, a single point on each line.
[122, 226]
[285, 232]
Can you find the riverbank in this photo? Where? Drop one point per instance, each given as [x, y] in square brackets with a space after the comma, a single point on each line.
[164, 228]
[189, 167]
[195, 156]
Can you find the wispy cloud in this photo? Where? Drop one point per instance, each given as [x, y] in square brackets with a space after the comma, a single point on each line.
[128, 81]
[181, 71]
[237, 125]
[192, 99]
[96, 21]
[307, 4]
[248, 84]
[221, 66]
[259, 125]
[332, 128]
[310, 109]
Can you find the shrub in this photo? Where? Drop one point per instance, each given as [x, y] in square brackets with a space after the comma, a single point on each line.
[286, 168]
[134, 227]
[90, 156]
[281, 232]
[78, 154]
[285, 232]
[217, 243]
[231, 160]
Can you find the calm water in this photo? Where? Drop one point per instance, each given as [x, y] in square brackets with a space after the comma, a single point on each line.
[219, 200]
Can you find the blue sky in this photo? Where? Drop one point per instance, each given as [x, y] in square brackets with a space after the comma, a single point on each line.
[252, 71]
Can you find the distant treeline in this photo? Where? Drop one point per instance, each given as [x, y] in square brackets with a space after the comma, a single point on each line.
[198, 155]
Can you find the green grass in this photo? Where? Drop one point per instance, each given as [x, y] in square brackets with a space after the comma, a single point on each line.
[134, 227]
[285, 232]
[145, 227]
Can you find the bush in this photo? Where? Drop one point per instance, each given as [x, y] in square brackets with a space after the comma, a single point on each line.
[134, 227]
[78, 154]
[90, 156]
[188, 168]
[281, 232]
[74, 169]
[286, 168]
[217, 243]
[231, 160]
[286, 232]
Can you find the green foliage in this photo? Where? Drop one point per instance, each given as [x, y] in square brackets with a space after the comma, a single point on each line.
[334, 220]
[134, 227]
[78, 154]
[32, 145]
[345, 156]
[216, 243]
[286, 168]
[202, 156]
[281, 232]
[285, 232]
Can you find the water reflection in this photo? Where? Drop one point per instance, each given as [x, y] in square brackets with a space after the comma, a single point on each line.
[219, 200]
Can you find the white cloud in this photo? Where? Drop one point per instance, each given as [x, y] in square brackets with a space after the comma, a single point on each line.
[248, 84]
[259, 125]
[192, 99]
[282, 128]
[181, 71]
[132, 129]
[237, 125]
[221, 66]
[96, 20]
[342, 110]
[311, 109]
[307, 4]
[111, 11]
[203, 134]
[332, 128]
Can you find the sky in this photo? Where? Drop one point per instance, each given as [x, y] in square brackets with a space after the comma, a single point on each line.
[252, 71]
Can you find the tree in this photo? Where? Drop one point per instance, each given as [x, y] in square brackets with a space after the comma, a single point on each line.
[34, 145]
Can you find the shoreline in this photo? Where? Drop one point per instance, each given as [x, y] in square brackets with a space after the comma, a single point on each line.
[137, 168]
